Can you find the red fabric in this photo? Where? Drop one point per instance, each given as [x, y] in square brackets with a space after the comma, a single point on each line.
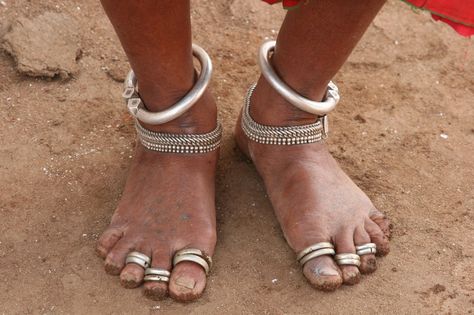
[459, 14]
[286, 3]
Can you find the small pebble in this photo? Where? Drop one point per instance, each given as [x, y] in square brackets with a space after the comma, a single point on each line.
[444, 136]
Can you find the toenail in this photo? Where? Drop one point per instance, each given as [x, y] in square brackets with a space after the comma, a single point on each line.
[129, 277]
[156, 293]
[186, 282]
[324, 271]
[113, 270]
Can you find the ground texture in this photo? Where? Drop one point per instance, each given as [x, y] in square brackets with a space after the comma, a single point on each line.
[404, 131]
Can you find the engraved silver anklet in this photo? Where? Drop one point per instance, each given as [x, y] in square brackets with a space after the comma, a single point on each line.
[284, 135]
[288, 135]
[170, 142]
[179, 143]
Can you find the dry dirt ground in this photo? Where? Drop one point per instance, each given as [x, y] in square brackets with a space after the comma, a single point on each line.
[404, 131]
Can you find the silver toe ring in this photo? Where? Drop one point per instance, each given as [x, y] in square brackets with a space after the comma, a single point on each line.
[315, 250]
[157, 275]
[193, 255]
[347, 259]
[366, 249]
[139, 259]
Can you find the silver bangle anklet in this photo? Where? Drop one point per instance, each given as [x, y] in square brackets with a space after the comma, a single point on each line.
[317, 108]
[137, 107]
[288, 135]
[170, 142]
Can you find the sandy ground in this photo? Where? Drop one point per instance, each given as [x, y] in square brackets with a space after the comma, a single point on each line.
[404, 131]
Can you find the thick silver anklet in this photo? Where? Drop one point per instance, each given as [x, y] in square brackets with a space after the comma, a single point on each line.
[179, 143]
[284, 135]
[170, 142]
[288, 135]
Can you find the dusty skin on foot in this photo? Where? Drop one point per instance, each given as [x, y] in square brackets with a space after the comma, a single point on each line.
[168, 204]
[313, 199]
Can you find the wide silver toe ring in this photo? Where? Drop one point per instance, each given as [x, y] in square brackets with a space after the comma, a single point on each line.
[139, 259]
[157, 275]
[366, 249]
[347, 259]
[193, 255]
[315, 250]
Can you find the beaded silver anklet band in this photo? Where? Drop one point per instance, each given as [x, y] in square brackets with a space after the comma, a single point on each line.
[179, 143]
[284, 135]
[170, 142]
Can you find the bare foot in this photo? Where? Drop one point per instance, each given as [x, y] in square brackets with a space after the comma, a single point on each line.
[314, 200]
[167, 204]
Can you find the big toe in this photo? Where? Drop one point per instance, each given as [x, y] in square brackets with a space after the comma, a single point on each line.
[187, 282]
[323, 273]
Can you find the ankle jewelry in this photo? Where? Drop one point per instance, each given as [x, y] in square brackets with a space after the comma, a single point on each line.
[288, 135]
[169, 142]
[284, 135]
[317, 108]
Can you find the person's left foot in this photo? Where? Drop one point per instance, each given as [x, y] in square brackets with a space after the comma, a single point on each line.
[313, 199]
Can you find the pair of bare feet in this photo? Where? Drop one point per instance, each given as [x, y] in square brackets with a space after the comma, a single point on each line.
[168, 204]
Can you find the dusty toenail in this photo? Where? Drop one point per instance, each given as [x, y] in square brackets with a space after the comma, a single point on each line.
[186, 282]
[129, 277]
[371, 263]
[156, 293]
[325, 271]
[351, 277]
[113, 270]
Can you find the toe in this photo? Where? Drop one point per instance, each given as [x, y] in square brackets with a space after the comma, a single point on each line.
[368, 263]
[188, 279]
[115, 260]
[323, 273]
[158, 290]
[187, 282]
[382, 221]
[107, 241]
[377, 237]
[345, 245]
[131, 276]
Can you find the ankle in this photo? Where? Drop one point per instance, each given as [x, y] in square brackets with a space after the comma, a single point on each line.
[268, 107]
[200, 118]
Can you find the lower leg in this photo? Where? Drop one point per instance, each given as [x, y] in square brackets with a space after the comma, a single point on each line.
[168, 199]
[312, 45]
[156, 36]
[314, 200]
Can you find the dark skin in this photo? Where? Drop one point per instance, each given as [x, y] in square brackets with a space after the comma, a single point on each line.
[168, 200]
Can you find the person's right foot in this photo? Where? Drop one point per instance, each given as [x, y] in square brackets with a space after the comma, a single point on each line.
[167, 205]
